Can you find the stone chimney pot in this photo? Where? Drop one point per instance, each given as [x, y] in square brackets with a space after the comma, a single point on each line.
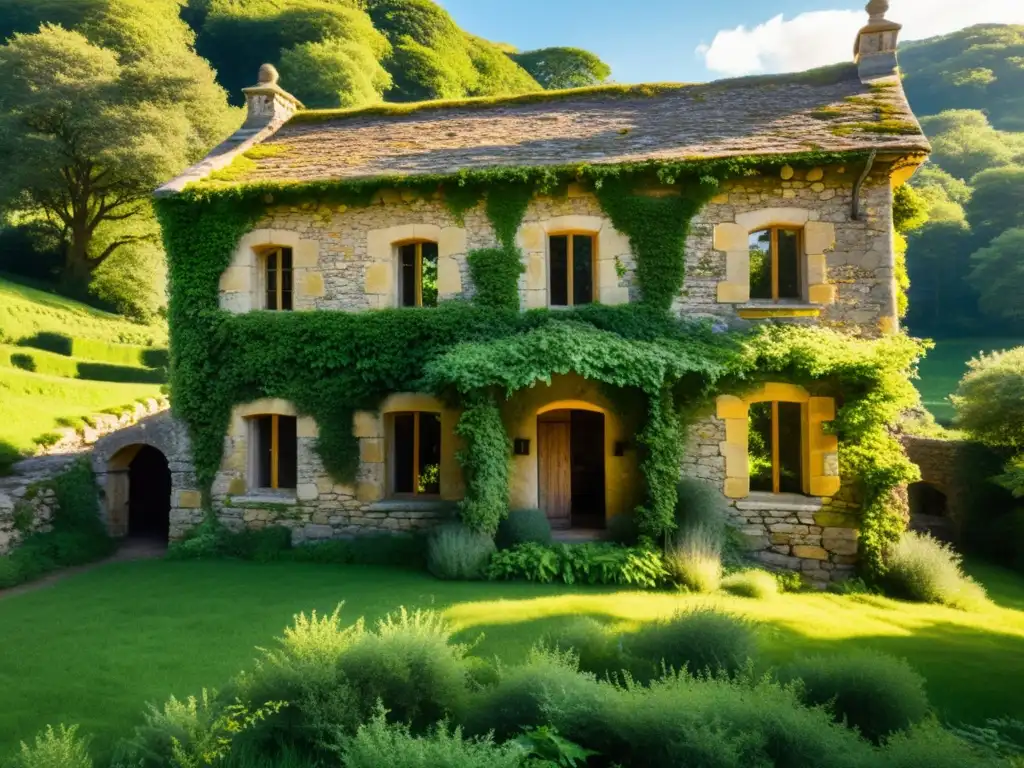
[875, 49]
[267, 102]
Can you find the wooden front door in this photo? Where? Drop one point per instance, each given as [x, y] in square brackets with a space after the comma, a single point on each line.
[553, 455]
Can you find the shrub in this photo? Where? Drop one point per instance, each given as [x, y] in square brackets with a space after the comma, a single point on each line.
[877, 694]
[60, 748]
[379, 744]
[262, 545]
[595, 646]
[580, 563]
[523, 526]
[694, 560]
[926, 570]
[790, 581]
[700, 640]
[456, 552]
[930, 745]
[623, 529]
[377, 549]
[752, 582]
[700, 505]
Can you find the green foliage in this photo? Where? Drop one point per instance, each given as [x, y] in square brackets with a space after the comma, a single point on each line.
[597, 649]
[879, 695]
[623, 529]
[909, 209]
[964, 143]
[990, 399]
[753, 582]
[495, 273]
[580, 564]
[523, 526]
[694, 559]
[997, 202]
[1000, 737]
[700, 640]
[544, 744]
[557, 68]
[457, 552]
[485, 465]
[54, 748]
[377, 744]
[926, 570]
[334, 73]
[700, 507]
[996, 276]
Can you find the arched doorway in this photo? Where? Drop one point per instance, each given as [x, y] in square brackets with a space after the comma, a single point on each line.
[929, 510]
[571, 467]
[138, 493]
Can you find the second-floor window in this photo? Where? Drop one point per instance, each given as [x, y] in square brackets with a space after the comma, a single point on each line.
[775, 447]
[571, 270]
[775, 265]
[275, 446]
[278, 279]
[417, 274]
[416, 453]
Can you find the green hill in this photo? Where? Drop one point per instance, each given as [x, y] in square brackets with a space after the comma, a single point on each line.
[62, 361]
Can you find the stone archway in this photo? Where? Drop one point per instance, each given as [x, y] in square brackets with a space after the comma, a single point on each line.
[929, 510]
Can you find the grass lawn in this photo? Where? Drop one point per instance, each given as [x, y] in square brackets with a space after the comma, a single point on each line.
[93, 648]
[945, 365]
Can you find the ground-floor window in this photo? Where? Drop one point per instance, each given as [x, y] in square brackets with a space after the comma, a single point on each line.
[416, 453]
[775, 447]
[275, 451]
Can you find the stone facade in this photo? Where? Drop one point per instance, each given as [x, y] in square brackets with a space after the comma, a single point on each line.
[937, 501]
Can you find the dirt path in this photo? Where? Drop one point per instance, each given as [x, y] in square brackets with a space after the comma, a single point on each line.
[131, 549]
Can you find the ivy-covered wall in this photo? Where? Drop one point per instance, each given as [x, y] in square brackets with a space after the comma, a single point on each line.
[475, 354]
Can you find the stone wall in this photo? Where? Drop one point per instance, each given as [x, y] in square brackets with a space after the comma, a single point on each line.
[938, 460]
[816, 536]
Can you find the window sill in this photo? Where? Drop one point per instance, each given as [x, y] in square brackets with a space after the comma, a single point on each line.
[757, 501]
[758, 310]
[401, 505]
[263, 497]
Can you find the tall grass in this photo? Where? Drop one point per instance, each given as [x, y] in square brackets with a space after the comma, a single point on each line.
[926, 570]
[694, 560]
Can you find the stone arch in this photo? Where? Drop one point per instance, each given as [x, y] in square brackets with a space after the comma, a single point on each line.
[241, 284]
[929, 510]
[381, 277]
[732, 237]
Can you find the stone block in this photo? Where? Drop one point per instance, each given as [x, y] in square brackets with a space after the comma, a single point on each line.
[318, 532]
[612, 243]
[733, 293]
[731, 237]
[849, 534]
[758, 219]
[536, 273]
[817, 268]
[819, 237]
[737, 432]
[824, 486]
[371, 450]
[787, 528]
[306, 254]
[189, 499]
[307, 492]
[449, 277]
[236, 487]
[368, 490]
[730, 407]
[840, 546]
[614, 296]
[737, 268]
[367, 424]
[779, 560]
[754, 543]
[379, 278]
[821, 294]
[805, 552]
[817, 187]
[312, 285]
[736, 463]
[815, 174]
[722, 199]
[305, 426]
[531, 237]
[607, 277]
[787, 172]
[451, 241]
[535, 299]
[737, 487]
[236, 280]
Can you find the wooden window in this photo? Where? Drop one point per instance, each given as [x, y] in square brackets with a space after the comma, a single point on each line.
[571, 269]
[775, 447]
[775, 265]
[276, 445]
[279, 279]
[417, 274]
[416, 454]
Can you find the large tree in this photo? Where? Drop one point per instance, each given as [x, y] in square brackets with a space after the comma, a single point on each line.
[88, 131]
[998, 202]
[556, 68]
[998, 275]
[964, 143]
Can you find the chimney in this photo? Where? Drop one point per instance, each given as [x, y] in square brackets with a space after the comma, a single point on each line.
[875, 50]
[267, 102]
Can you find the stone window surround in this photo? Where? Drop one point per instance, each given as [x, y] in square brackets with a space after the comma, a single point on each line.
[733, 238]
[533, 239]
[371, 429]
[242, 431]
[242, 284]
[382, 274]
[820, 450]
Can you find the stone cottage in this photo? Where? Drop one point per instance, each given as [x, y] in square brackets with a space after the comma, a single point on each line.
[801, 232]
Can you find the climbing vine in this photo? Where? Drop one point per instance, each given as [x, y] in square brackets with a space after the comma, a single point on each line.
[330, 364]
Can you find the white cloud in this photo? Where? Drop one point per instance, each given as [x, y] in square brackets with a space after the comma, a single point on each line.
[823, 37]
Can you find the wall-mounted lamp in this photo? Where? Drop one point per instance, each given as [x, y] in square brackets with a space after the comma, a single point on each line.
[521, 446]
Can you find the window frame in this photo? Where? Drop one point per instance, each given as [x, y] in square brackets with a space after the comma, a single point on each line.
[776, 446]
[256, 449]
[417, 269]
[392, 463]
[570, 234]
[801, 266]
[277, 254]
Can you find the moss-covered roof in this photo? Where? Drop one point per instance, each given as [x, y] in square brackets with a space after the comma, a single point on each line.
[828, 109]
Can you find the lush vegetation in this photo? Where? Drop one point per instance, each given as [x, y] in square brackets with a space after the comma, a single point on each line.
[331, 675]
[50, 379]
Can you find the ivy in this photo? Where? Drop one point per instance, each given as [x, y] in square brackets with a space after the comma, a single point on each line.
[495, 274]
[485, 464]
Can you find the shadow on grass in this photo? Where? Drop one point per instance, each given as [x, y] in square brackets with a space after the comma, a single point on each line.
[8, 456]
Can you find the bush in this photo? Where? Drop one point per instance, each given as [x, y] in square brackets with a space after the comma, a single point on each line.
[700, 505]
[523, 526]
[60, 748]
[752, 582]
[378, 549]
[990, 399]
[877, 694]
[595, 646]
[930, 745]
[262, 545]
[456, 552]
[580, 563]
[694, 560]
[923, 569]
[623, 529]
[701, 640]
[378, 744]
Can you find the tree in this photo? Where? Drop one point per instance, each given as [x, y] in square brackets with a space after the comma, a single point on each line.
[938, 261]
[964, 143]
[84, 139]
[334, 73]
[998, 275]
[556, 68]
[998, 202]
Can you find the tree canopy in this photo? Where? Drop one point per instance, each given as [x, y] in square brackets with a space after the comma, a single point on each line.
[557, 68]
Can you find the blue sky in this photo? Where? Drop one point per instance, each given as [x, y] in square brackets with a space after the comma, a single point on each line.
[651, 40]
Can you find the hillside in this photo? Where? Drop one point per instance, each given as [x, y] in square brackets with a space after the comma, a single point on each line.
[62, 361]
